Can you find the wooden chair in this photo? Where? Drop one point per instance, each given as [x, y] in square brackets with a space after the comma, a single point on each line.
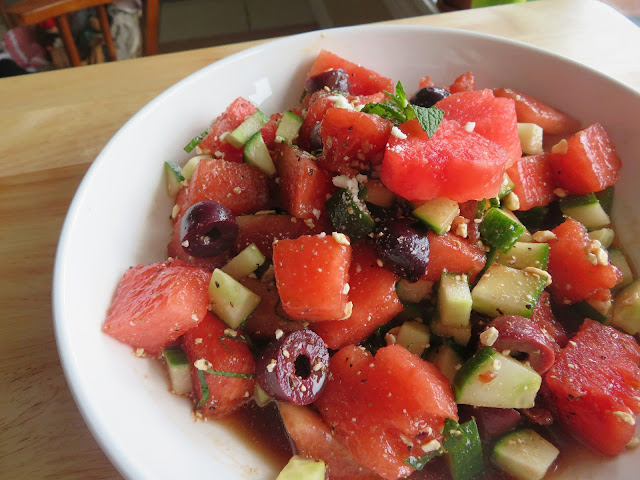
[30, 12]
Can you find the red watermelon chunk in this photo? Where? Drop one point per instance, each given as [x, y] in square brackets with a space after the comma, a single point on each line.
[590, 164]
[155, 304]
[313, 439]
[574, 277]
[385, 408]
[494, 118]
[546, 320]
[531, 110]
[594, 387]
[464, 83]
[534, 181]
[311, 275]
[453, 254]
[239, 187]
[317, 105]
[375, 302]
[230, 119]
[362, 81]
[225, 354]
[350, 136]
[304, 186]
[453, 163]
[264, 229]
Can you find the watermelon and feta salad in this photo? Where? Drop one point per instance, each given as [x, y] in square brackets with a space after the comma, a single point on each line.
[424, 286]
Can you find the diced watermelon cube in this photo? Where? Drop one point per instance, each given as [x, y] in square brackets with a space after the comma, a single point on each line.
[155, 304]
[226, 354]
[311, 275]
[362, 81]
[494, 118]
[304, 186]
[464, 83]
[375, 302]
[534, 181]
[594, 387]
[453, 254]
[453, 163]
[591, 163]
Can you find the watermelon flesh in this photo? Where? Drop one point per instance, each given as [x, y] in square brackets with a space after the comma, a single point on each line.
[534, 181]
[155, 304]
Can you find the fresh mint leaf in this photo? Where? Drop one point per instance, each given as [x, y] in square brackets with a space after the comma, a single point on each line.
[399, 97]
[419, 462]
[204, 388]
[385, 111]
[196, 141]
[429, 118]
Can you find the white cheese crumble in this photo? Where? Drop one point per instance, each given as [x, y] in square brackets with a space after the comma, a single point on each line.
[470, 126]
[396, 132]
[272, 365]
[340, 238]
[202, 364]
[561, 147]
[279, 334]
[175, 211]
[544, 236]
[626, 417]
[489, 336]
[198, 341]
[349, 184]
[139, 352]
[340, 102]
[432, 446]
[348, 310]
[511, 201]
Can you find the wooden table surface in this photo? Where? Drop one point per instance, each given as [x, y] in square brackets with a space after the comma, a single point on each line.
[54, 124]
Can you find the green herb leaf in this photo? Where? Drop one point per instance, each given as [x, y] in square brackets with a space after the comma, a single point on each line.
[429, 118]
[385, 111]
[399, 97]
[419, 462]
[196, 141]
[204, 388]
[222, 373]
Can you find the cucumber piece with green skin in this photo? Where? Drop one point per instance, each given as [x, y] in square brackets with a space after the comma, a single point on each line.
[524, 455]
[504, 290]
[585, 310]
[190, 166]
[173, 178]
[490, 379]
[604, 235]
[247, 129]
[625, 313]
[256, 154]
[375, 192]
[231, 301]
[454, 300]
[349, 215]
[300, 468]
[526, 236]
[481, 208]
[499, 230]
[506, 187]
[617, 259]
[463, 449]
[605, 197]
[246, 262]
[525, 254]
[586, 209]
[414, 336]
[447, 360]
[413, 292]
[533, 218]
[437, 214]
[288, 127]
[179, 370]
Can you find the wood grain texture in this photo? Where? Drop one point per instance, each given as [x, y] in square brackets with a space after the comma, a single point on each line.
[54, 124]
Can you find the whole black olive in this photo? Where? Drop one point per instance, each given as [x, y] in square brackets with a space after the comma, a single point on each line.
[429, 96]
[207, 229]
[336, 80]
[402, 248]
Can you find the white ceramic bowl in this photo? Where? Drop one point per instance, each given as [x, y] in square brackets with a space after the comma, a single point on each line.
[118, 218]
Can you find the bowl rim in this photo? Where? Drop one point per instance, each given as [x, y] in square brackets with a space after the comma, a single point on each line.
[98, 427]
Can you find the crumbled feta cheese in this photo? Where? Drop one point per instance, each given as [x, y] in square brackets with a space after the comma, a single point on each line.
[198, 341]
[272, 365]
[396, 132]
[340, 238]
[237, 190]
[561, 147]
[309, 223]
[348, 310]
[461, 230]
[229, 332]
[185, 243]
[139, 352]
[496, 364]
[544, 236]
[511, 201]
[432, 446]
[470, 126]
[346, 288]
[316, 213]
[202, 364]
[340, 101]
[489, 336]
[175, 211]
[626, 417]
[279, 334]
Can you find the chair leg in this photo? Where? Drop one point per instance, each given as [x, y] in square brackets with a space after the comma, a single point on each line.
[151, 27]
[106, 32]
[67, 40]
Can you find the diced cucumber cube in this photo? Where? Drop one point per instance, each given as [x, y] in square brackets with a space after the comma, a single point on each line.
[533, 218]
[349, 215]
[231, 301]
[504, 290]
[530, 136]
[506, 187]
[464, 449]
[586, 209]
[454, 300]
[524, 254]
[173, 178]
[246, 262]
[375, 192]
[461, 335]
[413, 292]
[524, 455]
[300, 468]
[190, 166]
[247, 129]
[437, 214]
[447, 360]
[604, 235]
[526, 236]
[499, 230]
[617, 259]
[605, 197]
[625, 313]
[490, 379]
[414, 337]
[179, 370]
[584, 309]
[255, 153]
[288, 127]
